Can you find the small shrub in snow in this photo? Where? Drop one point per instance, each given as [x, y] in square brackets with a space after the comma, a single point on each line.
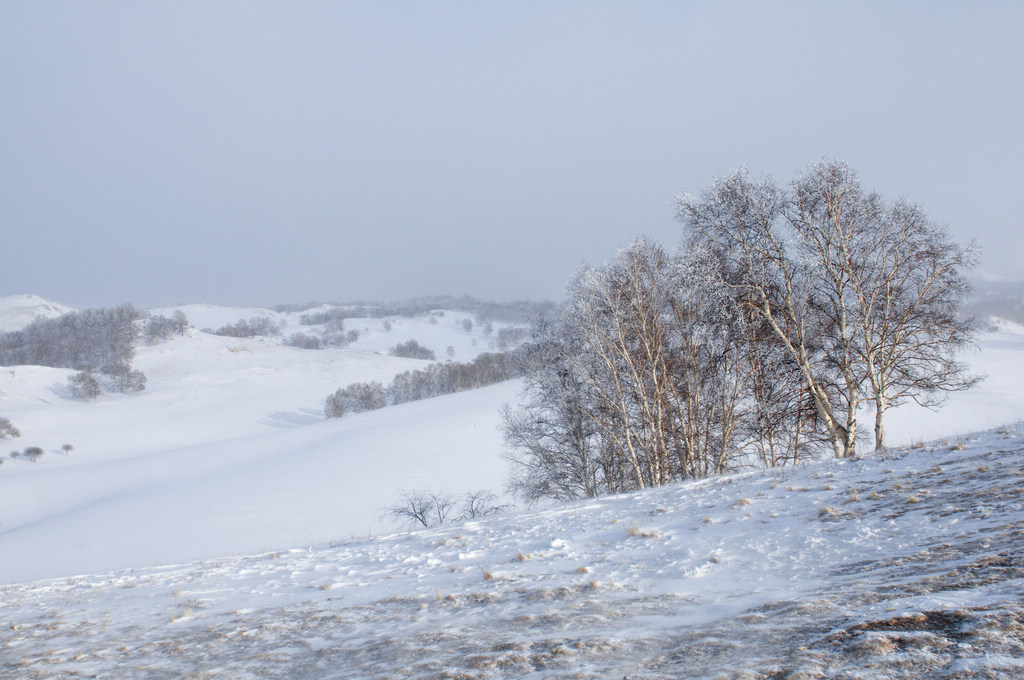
[67, 448]
[8, 430]
[33, 453]
[635, 530]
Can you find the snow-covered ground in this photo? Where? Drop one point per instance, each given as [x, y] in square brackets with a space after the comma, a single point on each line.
[228, 449]
[218, 526]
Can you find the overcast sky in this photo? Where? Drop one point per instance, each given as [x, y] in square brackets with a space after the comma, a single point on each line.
[264, 152]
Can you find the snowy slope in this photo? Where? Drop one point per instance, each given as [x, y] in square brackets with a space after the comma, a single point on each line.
[907, 565]
[18, 311]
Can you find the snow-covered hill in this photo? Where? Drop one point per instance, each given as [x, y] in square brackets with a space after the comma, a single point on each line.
[217, 525]
[18, 311]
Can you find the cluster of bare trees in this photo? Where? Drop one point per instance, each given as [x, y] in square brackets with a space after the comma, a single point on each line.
[413, 350]
[433, 508]
[159, 328]
[100, 343]
[786, 310]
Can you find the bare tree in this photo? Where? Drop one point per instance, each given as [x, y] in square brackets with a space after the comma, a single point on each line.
[479, 504]
[8, 430]
[429, 509]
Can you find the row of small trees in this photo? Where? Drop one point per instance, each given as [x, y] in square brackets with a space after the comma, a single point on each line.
[251, 328]
[431, 381]
[31, 453]
[786, 309]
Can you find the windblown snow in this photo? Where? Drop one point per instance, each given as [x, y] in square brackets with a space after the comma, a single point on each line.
[218, 526]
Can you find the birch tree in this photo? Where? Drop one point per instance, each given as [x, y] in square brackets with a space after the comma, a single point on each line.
[912, 290]
[751, 222]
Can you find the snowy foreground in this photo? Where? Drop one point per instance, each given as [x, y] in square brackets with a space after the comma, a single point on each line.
[218, 526]
[908, 564]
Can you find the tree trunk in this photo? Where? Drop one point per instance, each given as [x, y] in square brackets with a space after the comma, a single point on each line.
[879, 423]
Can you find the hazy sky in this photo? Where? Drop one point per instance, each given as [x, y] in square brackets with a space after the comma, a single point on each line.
[262, 152]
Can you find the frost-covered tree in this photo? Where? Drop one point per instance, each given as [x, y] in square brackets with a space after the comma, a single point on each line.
[355, 398]
[855, 291]
[304, 341]
[160, 328]
[554, 445]
[84, 386]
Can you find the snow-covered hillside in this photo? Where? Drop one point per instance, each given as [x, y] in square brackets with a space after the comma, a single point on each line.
[17, 311]
[903, 565]
[217, 525]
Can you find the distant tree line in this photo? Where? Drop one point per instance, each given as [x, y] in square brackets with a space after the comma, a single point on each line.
[786, 309]
[509, 312]
[432, 381]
